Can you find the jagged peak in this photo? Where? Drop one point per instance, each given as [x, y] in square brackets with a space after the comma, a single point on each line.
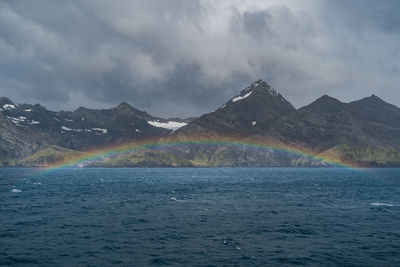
[37, 105]
[372, 100]
[259, 93]
[327, 98]
[256, 86]
[324, 102]
[82, 109]
[124, 107]
[263, 86]
[258, 82]
[5, 101]
[7, 104]
[124, 104]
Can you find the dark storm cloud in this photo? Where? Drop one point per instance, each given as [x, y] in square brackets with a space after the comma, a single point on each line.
[361, 15]
[184, 58]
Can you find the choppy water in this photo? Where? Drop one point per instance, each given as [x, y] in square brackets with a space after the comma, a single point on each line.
[200, 217]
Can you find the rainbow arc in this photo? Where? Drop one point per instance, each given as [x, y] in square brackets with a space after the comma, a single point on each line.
[99, 154]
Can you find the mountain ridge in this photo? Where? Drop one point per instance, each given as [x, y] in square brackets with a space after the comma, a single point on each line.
[365, 132]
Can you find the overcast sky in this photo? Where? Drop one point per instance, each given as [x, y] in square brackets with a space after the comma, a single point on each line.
[184, 58]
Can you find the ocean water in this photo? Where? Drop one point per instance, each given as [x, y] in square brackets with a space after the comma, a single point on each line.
[200, 217]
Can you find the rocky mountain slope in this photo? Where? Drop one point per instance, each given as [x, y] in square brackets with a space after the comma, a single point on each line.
[27, 129]
[330, 127]
[363, 133]
[243, 116]
[247, 113]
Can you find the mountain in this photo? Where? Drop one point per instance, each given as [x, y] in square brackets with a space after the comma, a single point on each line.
[246, 114]
[365, 132]
[318, 126]
[381, 120]
[12, 145]
[27, 129]
[330, 127]
[253, 109]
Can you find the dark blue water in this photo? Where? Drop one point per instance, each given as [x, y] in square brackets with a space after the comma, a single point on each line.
[200, 217]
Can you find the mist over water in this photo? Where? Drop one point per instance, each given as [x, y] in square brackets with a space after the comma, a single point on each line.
[199, 216]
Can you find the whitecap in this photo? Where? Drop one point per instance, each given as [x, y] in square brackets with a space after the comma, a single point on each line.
[175, 199]
[381, 204]
[14, 190]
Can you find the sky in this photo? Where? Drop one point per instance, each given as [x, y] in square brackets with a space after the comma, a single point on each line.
[182, 58]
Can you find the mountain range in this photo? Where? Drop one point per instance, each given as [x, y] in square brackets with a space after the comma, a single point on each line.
[256, 127]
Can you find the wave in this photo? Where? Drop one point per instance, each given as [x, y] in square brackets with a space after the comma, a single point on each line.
[381, 204]
[175, 199]
[14, 190]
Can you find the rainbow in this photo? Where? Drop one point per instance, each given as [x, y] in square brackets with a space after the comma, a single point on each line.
[99, 154]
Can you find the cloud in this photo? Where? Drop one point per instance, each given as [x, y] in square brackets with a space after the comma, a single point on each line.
[184, 58]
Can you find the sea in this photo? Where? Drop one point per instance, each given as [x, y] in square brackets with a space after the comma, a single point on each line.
[199, 217]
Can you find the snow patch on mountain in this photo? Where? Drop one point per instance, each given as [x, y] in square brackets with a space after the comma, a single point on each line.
[66, 128]
[75, 130]
[9, 106]
[221, 107]
[241, 97]
[170, 125]
[17, 120]
[104, 131]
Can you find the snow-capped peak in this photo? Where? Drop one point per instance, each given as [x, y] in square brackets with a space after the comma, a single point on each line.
[257, 83]
[264, 85]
